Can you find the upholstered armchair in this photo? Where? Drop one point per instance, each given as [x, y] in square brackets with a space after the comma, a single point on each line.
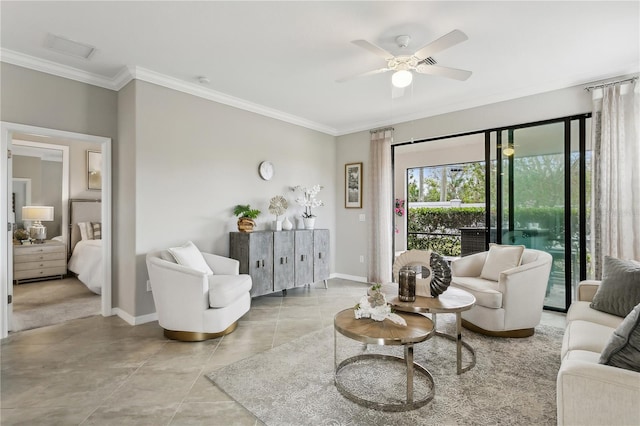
[509, 284]
[193, 304]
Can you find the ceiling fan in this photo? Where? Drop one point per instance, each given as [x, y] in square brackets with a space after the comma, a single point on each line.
[420, 61]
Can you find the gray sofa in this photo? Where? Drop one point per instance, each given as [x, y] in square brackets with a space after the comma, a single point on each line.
[589, 393]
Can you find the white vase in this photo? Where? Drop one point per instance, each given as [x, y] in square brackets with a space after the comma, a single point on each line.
[287, 225]
[309, 222]
[276, 225]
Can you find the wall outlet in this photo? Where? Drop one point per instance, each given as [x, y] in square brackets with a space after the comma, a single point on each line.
[362, 217]
[361, 258]
[148, 285]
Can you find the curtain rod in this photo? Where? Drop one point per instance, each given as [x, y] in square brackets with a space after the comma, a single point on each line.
[610, 83]
[381, 129]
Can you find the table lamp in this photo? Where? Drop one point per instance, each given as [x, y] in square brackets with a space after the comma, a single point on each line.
[37, 231]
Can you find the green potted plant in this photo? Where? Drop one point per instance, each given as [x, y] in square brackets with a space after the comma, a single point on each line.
[246, 216]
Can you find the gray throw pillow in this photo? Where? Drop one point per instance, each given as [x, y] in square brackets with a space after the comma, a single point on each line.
[623, 348]
[619, 291]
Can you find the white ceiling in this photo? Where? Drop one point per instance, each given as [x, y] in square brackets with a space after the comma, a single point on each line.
[281, 59]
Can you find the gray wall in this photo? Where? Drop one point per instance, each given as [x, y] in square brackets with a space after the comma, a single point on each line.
[196, 159]
[355, 147]
[180, 163]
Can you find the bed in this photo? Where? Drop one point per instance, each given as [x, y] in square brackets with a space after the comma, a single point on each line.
[85, 243]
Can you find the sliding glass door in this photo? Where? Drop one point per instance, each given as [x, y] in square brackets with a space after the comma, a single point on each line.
[538, 197]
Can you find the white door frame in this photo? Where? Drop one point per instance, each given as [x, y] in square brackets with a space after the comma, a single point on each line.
[7, 130]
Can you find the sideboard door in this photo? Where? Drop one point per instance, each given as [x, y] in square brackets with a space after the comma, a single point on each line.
[303, 257]
[283, 260]
[320, 255]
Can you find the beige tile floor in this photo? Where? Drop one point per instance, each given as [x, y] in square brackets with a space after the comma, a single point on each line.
[102, 371]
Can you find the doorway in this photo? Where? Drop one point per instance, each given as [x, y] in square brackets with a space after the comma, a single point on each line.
[9, 132]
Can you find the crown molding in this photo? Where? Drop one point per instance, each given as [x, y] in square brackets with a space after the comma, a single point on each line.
[129, 73]
[49, 67]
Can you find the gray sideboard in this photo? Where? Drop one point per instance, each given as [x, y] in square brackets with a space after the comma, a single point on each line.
[278, 260]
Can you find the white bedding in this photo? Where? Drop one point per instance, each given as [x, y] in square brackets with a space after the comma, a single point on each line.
[86, 262]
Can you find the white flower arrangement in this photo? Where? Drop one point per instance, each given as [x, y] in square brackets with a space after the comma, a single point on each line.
[375, 306]
[308, 199]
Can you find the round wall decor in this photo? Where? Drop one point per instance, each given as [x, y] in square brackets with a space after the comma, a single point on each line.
[266, 170]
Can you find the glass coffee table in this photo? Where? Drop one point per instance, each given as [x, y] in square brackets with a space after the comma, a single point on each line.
[367, 331]
[452, 301]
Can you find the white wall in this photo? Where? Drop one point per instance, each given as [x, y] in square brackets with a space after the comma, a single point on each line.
[355, 147]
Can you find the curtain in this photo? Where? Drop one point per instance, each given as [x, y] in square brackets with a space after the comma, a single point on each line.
[380, 196]
[616, 174]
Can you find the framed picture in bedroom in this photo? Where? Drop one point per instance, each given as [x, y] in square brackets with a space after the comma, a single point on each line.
[353, 185]
[94, 170]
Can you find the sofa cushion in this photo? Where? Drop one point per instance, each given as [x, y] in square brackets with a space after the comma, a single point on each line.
[226, 289]
[500, 258]
[586, 336]
[582, 311]
[485, 291]
[188, 255]
[623, 347]
[619, 291]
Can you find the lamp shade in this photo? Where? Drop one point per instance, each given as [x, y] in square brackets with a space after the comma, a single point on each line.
[41, 213]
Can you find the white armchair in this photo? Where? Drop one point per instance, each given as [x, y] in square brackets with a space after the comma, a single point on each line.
[510, 306]
[193, 305]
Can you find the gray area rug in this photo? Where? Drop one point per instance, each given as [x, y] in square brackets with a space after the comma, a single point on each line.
[43, 303]
[513, 381]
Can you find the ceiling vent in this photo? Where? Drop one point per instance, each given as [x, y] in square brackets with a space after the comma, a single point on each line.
[69, 47]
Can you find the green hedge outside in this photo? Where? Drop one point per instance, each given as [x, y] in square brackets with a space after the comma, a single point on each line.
[448, 220]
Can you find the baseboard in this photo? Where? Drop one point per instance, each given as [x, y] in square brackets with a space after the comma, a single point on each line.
[131, 320]
[350, 277]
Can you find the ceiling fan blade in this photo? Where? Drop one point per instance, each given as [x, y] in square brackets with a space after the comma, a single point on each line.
[438, 70]
[364, 74]
[379, 51]
[444, 42]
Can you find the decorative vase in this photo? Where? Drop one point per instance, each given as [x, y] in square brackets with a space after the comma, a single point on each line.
[246, 224]
[309, 222]
[277, 225]
[287, 225]
[407, 284]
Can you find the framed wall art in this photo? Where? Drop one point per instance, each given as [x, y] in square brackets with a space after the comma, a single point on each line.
[94, 170]
[353, 185]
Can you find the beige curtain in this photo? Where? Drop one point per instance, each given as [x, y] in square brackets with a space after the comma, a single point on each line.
[616, 174]
[380, 257]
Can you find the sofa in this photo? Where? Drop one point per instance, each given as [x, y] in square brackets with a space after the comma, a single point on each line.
[590, 393]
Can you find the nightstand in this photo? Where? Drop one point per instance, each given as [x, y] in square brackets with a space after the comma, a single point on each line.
[39, 261]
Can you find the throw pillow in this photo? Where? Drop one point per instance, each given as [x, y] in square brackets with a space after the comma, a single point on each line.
[86, 231]
[619, 290]
[188, 255]
[623, 348]
[500, 258]
[97, 230]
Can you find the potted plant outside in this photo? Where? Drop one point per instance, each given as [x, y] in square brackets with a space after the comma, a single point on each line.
[246, 216]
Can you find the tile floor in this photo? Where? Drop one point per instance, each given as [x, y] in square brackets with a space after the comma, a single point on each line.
[102, 371]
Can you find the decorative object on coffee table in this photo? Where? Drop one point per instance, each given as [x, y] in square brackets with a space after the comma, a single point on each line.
[407, 284]
[434, 275]
[374, 305]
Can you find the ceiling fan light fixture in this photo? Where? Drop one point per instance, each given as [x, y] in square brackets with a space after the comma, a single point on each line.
[401, 78]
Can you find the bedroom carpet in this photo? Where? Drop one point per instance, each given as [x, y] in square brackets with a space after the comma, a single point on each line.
[513, 381]
[42, 303]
